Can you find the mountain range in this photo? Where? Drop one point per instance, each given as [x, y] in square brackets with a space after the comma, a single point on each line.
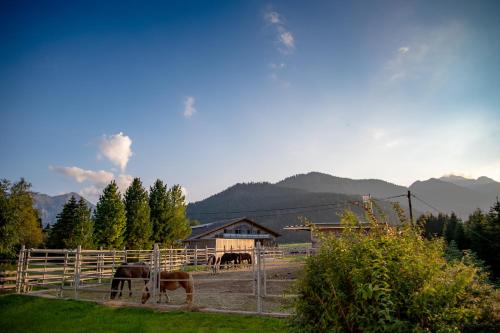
[314, 190]
[321, 198]
[50, 206]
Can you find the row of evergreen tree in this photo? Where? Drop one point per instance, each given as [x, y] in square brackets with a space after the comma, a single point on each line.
[135, 221]
[480, 233]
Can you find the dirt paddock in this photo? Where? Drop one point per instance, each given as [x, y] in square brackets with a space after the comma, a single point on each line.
[229, 290]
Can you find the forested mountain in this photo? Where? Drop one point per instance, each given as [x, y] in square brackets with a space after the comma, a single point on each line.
[265, 198]
[49, 206]
[483, 185]
[317, 189]
[320, 182]
[448, 197]
[321, 198]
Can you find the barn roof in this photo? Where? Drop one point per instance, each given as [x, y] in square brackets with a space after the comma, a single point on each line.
[199, 231]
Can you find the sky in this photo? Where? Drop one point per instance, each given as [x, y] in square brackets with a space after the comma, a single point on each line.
[206, 94]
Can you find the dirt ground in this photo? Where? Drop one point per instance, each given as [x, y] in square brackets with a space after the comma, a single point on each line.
[231, 289]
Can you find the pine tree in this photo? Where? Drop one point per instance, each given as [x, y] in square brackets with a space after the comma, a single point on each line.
[179, 225]
[109, 218]
[62, 231]
[168, 214]
[83, 226]
[160, 212]
[139, 229]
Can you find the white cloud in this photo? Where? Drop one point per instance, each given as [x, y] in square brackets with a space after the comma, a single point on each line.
[91, 193]
[432, 55]
[184, 192]
[81, 175]
[286, 38]
[272, 17]
[189, 109]
[404, 49]
[123, 182]
[117, 149]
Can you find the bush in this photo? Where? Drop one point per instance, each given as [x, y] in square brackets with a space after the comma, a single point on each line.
[390, 280]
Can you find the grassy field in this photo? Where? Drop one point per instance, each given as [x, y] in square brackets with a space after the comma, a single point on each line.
[35, 314]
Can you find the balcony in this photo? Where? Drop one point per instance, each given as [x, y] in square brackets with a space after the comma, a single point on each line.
[245, 236]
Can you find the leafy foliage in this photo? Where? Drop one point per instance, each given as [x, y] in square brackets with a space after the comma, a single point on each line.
[390, 280]
[139, 229]
[19, 221]
[109, 218]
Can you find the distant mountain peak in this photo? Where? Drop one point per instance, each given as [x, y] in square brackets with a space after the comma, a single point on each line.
[468, 182]
[50, 206]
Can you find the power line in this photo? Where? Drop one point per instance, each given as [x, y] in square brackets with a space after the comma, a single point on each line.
[471, 231]
[426, 203]
[272, 209]
[392, 197]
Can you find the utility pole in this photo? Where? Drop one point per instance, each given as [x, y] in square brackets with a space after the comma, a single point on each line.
[409, 204]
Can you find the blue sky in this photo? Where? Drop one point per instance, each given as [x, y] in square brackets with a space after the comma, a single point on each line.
[207, 94]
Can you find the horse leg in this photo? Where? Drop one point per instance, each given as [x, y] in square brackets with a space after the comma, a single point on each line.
[121, 288]
[129, 288]
[168, 298]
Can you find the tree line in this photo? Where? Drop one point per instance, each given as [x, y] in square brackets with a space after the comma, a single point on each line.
[479, 234]
[136, 220]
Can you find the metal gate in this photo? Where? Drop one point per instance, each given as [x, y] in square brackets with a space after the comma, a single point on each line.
[260, 287]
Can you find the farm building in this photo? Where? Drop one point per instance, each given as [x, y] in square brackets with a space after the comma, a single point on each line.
[320, 228]
[238, 233]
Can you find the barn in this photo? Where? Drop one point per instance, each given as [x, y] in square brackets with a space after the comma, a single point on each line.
[237, 233]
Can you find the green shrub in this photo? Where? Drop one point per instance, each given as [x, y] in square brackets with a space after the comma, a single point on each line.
[390, 280]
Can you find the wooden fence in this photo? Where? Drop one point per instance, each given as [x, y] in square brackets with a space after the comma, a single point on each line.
[77, 273]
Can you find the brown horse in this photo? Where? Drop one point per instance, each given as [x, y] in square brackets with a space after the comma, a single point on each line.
[126, 272]
[173, 281]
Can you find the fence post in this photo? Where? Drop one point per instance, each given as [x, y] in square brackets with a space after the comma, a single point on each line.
[196, 256]
[100, 263]
[264, 272]
[77, 270]
[170, 259]
[25, 271]
[259, 299]
[125, 259]
[20, 264]
[64, 273]
[45, 268]
[156, 276]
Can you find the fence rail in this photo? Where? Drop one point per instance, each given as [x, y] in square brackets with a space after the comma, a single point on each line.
[259, 285]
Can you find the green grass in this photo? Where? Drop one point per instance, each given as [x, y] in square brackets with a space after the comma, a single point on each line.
[19, 313]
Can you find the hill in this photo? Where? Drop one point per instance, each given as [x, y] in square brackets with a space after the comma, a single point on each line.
[448, 197]
[260, 201]
[50, 206]
[320, 182]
